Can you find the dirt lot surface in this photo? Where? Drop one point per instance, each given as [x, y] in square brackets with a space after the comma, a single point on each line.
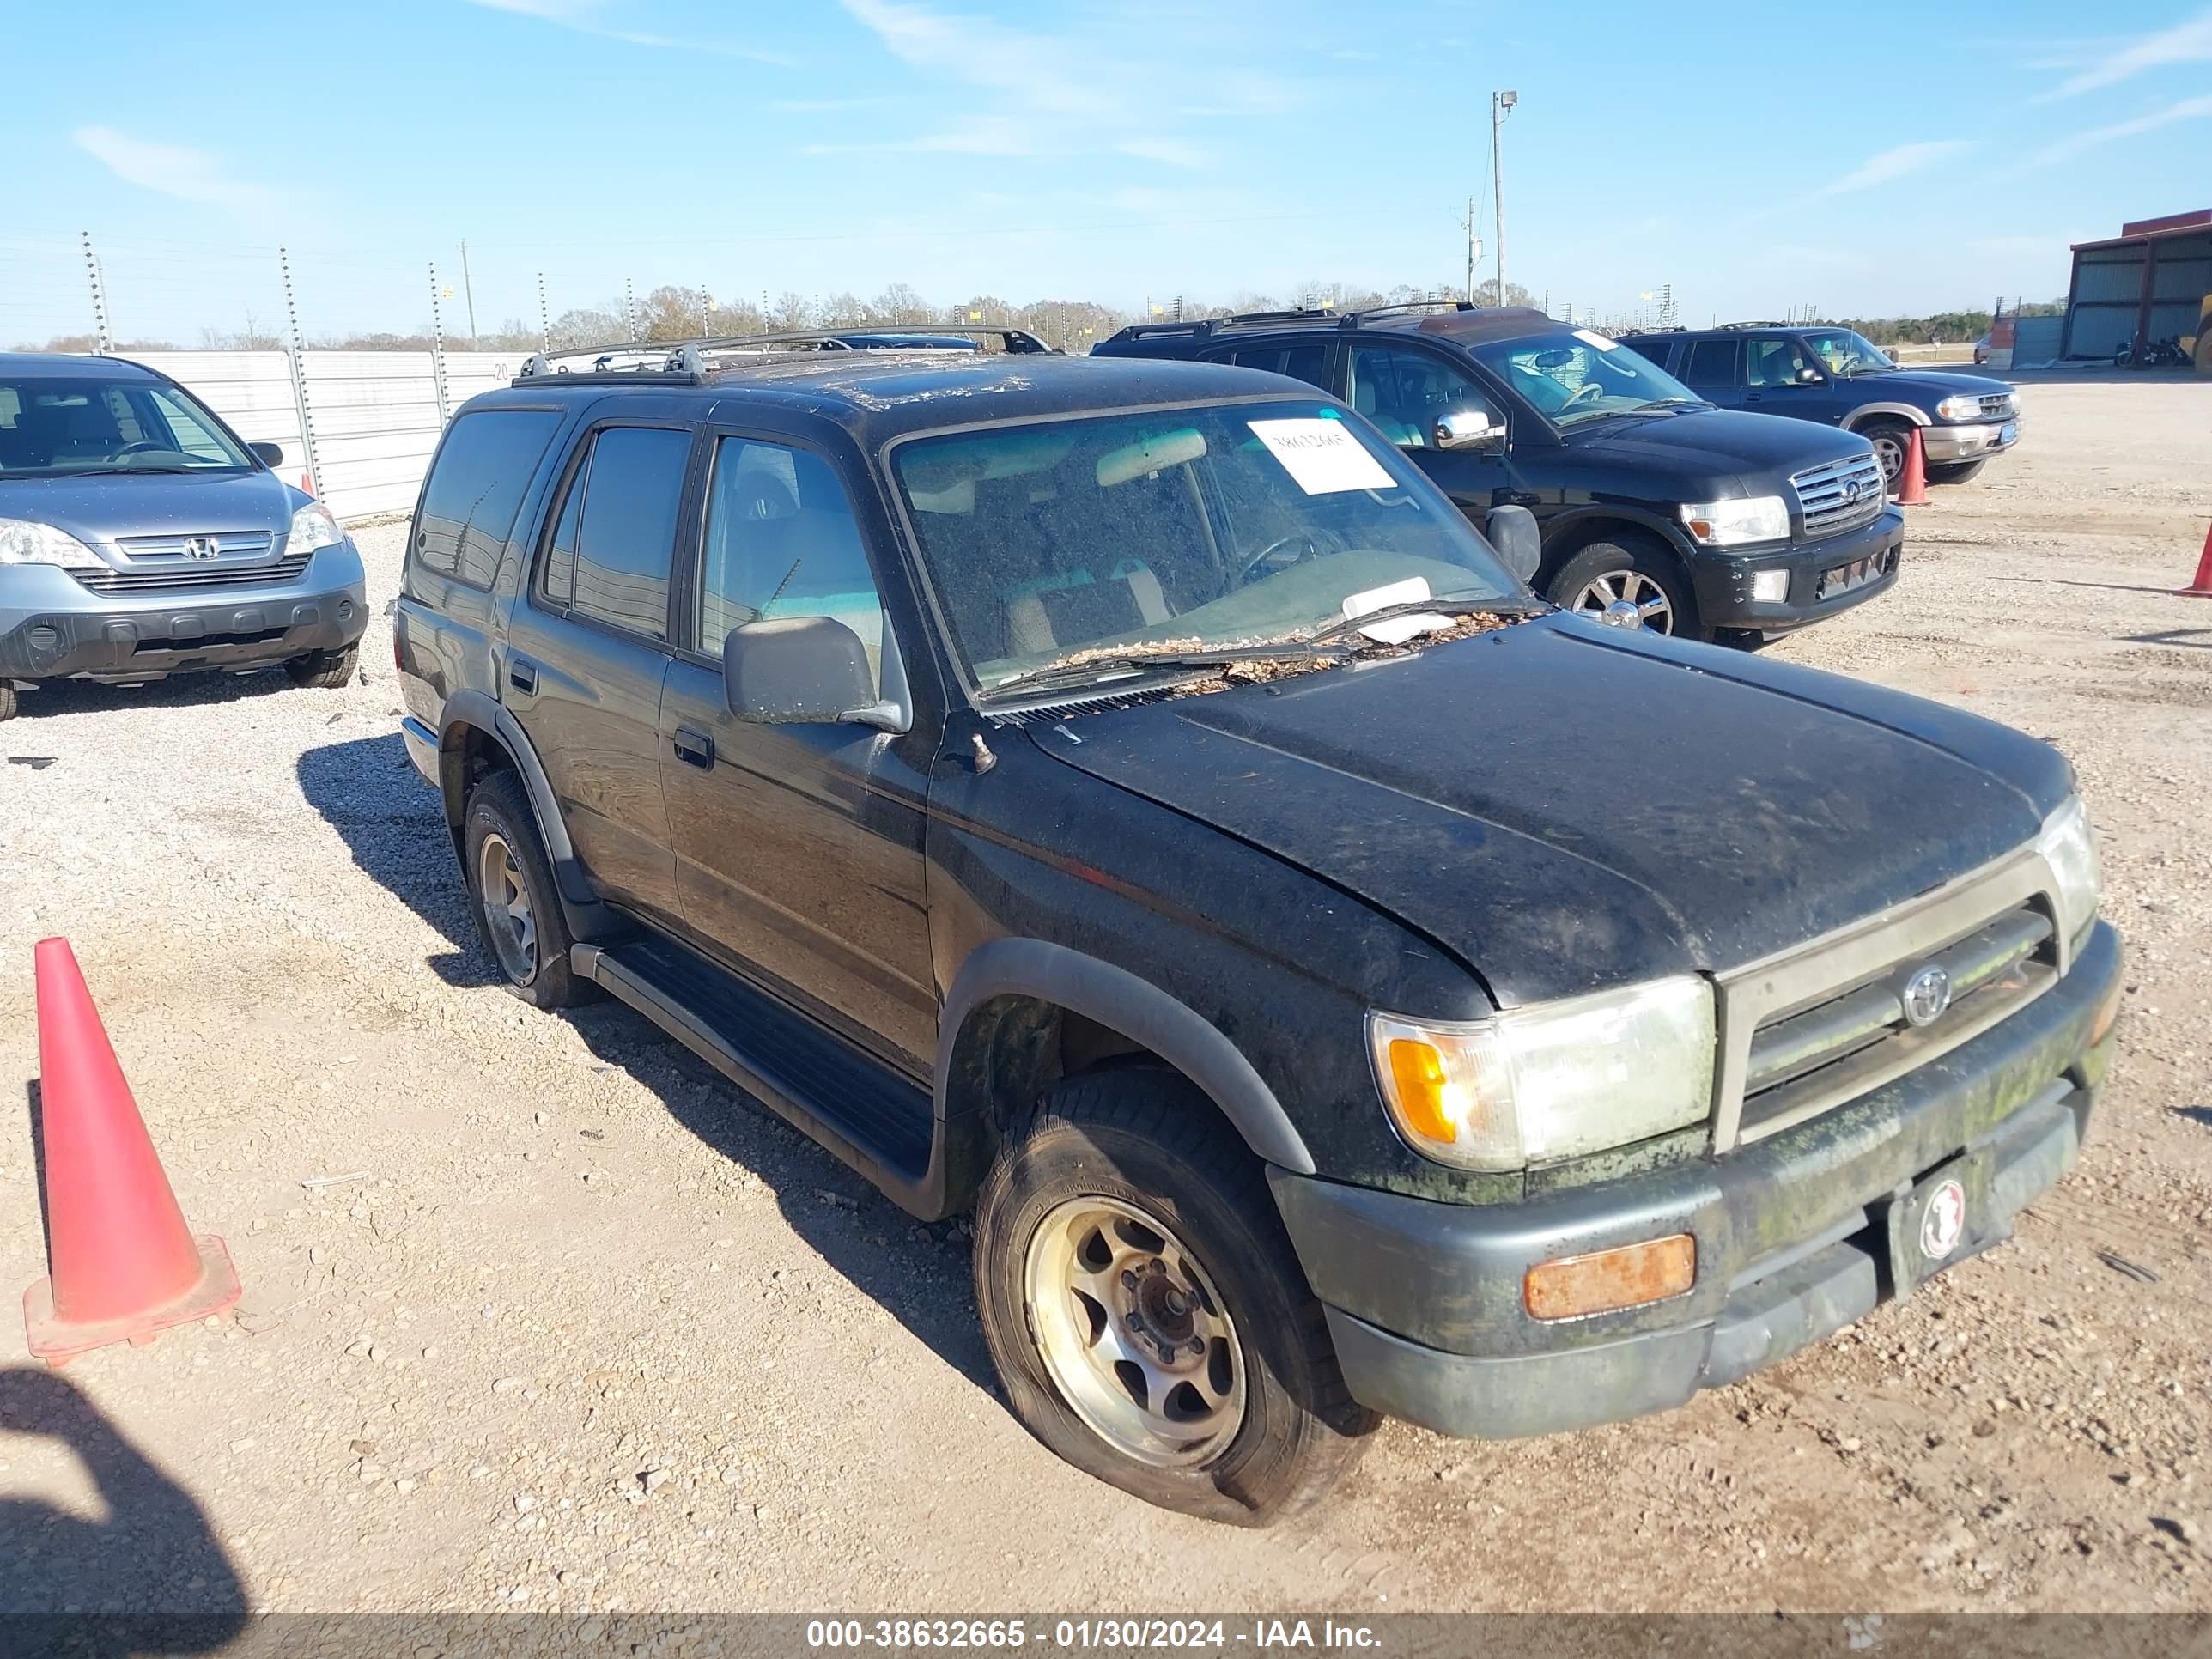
[588, 1331]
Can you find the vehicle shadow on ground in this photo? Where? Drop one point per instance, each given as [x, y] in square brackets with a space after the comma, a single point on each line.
[55, 697]
[394, 825]
[395, 828]
[153, 1565]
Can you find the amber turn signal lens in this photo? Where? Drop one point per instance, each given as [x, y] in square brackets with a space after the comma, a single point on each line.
[2108, 1016]
[1605, 1281]
[1433, 1104]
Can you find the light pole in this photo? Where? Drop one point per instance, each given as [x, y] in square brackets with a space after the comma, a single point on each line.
[1501, 103]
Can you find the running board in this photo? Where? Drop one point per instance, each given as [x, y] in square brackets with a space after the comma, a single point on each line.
[874, 1120]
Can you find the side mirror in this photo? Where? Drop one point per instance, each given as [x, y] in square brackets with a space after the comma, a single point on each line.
[795, 671]
[270, 455]
[1467, 429]
[1809, 376]
[1512, 531]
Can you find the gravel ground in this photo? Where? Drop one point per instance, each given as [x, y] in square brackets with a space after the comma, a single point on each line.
[585, 1330]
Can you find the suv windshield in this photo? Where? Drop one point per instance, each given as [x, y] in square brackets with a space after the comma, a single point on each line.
[1846, 352]
[57, 428]
[1188, 530]
[1573, 377]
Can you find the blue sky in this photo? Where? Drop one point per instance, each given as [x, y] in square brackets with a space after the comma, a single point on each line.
[1884, 158]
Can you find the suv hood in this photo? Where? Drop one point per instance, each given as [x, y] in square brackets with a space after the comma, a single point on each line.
[1722, 444]
[1565, 806]
[100, 509]
[1931, 384]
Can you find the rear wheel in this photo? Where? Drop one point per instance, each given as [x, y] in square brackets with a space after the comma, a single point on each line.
[1891, 439]
[1629, 569]
[518, 911]
[324, 670]
[1956, 471]
[1145, 1311]
[7, 700]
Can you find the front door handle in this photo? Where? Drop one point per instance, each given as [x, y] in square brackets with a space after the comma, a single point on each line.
[695, 746]
[523, 675]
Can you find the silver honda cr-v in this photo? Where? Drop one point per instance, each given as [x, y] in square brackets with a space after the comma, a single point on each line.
[140, 538]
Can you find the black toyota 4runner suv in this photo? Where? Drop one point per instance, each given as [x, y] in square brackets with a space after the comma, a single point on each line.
[1656, 509]
[1836, 376]
[1127, 801]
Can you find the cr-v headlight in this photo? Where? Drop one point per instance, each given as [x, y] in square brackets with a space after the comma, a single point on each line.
[1549, 1081]
[25, 541]
[2069, 845]
[312, 528]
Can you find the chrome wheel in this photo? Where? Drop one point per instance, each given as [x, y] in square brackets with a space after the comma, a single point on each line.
[1133, 1333]
[1889, 450]
[508, 920]
[1653, 609]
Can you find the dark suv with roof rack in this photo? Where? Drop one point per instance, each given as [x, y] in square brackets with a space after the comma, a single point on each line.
[1823, 372]
[1128, 801]
[1656, 509]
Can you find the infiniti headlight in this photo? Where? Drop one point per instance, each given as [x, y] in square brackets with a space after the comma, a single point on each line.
[2069, 845]
[312, 528]
[1960, 406]
[1553, 1080]
[1732, 523]
[25, 541]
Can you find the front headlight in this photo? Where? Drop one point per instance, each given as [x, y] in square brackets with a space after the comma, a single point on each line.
[25, 541]
[312, 528]
[2069, 845]
[1731, 523]
[1960, 406]
[1549, 1081]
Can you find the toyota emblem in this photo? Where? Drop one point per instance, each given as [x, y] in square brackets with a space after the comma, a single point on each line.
[1927, 994]
[1943, 1220]
[201, 547]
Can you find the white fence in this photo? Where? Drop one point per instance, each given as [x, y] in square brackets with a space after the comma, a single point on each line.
[375, 414]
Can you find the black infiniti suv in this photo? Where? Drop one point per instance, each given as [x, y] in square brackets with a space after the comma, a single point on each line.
[1655, 507]
[1127, 801]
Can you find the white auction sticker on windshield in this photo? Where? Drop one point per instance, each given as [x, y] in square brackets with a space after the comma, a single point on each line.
[1322, 456]
[1597, 340]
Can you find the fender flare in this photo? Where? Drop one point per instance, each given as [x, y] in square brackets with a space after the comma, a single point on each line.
[1568, 525]
[1137, 1010]
[587, 918]
[1869, 411]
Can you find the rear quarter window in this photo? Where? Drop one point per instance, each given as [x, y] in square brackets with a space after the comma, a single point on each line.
[475, 487]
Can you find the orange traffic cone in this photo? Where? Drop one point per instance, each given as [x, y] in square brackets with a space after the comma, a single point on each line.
[1912, 480]
[123, 1263]
[2201, 587]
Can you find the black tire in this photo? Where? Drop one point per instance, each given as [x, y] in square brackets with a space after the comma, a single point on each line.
[1620, 562]
[323, 671]
[537, 971]
[1891, 439]
[1956, 471]
[7, 700]
[1144, 1137]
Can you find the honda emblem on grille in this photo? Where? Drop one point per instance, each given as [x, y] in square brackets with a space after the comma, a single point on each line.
[201, 547]
[1927, 994]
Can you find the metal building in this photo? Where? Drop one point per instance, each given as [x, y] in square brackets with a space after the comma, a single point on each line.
[2147, 284]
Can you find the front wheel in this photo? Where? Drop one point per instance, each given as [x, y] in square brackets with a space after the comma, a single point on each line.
[1145, 1311]
[7, 700]
[323, 671]
[1629, 571]
[1890, 440]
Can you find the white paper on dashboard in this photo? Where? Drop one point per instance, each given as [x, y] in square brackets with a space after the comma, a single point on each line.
[1322, 456]
[1394, 630]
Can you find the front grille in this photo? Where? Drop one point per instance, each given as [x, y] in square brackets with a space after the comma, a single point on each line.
[1996, 405]
[1839, 495]
[213, 544]
[1845, 578]
[196, 573]
[1821, 1026]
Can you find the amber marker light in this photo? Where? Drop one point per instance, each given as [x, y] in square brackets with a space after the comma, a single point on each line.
[1606, 1281]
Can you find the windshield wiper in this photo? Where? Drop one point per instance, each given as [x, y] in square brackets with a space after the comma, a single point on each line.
[1670, 403]
[1053, 675]
[1344, 626]
[145, 472]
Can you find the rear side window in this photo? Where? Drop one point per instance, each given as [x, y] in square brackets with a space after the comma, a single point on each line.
[1301, 360]
[1653, 351]
[1712, 363]
[469, 506]
[615, 540]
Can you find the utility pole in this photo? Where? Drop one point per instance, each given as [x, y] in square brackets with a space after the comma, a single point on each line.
[98, 297]
[469, 293]
[629, 312]
[299, 356]
[438, 350]
[1473, 249]
[544, 322]
[1501, 104]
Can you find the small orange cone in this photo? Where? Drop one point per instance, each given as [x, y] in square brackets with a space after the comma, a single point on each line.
[124, 1265]
[1912, 482]
[2201, 587]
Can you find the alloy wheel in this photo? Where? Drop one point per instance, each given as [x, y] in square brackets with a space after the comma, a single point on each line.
[508, 918]
[1611, 588]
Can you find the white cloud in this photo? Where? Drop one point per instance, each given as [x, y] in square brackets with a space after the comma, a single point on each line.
[982, 53]
[2189, 109]
[173, 170]
[1168, 152]
[1896, 163]
[2184, 43]
[587, 17]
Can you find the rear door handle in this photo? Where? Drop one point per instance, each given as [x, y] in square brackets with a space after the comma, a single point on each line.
[695, 746]
[523, 675]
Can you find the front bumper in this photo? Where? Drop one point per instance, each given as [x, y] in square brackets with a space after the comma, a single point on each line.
[52, 626]
[1946, 446]
[1424, 1299]
[1723, 580]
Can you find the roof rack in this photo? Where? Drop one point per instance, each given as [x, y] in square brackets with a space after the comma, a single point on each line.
[682, 363]
[1771, 324]
[1201, 326]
